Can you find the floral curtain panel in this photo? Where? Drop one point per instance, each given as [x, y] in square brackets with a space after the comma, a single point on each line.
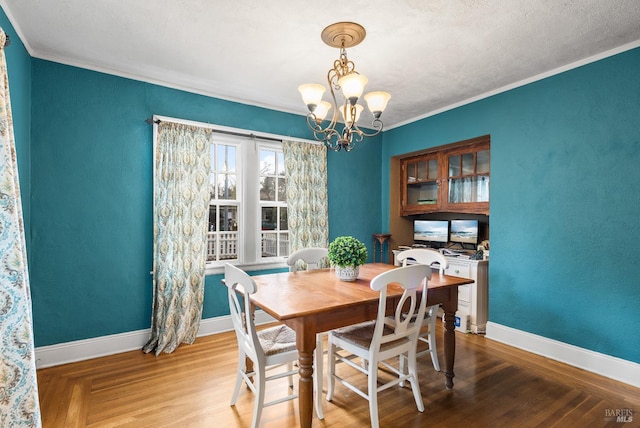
[306, 173]
[18, 382]
[181, 207]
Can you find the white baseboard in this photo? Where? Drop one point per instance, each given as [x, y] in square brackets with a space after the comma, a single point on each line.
[605, 365]
[79, 350]
[602, 364]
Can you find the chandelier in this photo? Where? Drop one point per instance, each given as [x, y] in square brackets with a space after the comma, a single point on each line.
[343, 76]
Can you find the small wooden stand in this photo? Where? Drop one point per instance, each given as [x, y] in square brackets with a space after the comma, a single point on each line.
[380, 239]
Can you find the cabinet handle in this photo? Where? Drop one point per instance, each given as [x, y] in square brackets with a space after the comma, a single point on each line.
[457, 271]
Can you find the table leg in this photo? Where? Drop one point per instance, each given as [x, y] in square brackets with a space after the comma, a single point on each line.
[450, 308]
[306, 343]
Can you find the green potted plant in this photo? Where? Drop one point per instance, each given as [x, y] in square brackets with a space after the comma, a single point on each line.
[346, 253]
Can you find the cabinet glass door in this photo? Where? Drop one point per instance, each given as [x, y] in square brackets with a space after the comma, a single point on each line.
[468, 177]
[422, 182]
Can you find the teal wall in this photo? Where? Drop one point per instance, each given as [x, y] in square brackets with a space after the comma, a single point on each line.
[354, 198]
[565, 204]
[19, 71]
[92, 195]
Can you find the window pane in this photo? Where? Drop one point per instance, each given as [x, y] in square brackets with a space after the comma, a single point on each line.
[284, 245]
[269, 244]
[280, 163]
[284, 225]
[226, 161]
[267, 189]
[227, 186]
[269, 218]
[454, 166]
[467, 164]
[411, 172]
[222, 238]
[228, 217]
[482, 161]
[213, 214]
[212, 186]
[228, 245]
[227, 238]
[267, 162]
[422, 171]
[282, 189]
[433, 169]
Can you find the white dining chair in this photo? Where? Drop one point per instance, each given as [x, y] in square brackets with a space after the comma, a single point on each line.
[310, 259]
[267, 348]
[376, 342]
[428, 257]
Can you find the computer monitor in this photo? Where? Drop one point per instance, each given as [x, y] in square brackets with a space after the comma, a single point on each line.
[427, 231]
[464, 231]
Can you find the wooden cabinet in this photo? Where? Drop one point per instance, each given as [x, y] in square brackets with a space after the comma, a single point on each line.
[454, 178]
[473, 299]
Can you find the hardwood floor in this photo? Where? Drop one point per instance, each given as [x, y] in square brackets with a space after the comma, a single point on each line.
[495, 386]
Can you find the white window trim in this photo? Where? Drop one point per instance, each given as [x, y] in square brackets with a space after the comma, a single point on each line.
[247, 265]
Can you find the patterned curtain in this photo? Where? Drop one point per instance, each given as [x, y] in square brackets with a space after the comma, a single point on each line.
[18, 382]
[180, 217]
[306, 172]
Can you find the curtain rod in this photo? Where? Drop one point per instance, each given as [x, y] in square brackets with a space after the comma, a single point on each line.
[151, 121]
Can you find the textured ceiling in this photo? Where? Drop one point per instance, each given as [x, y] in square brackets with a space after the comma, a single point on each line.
[429, 54]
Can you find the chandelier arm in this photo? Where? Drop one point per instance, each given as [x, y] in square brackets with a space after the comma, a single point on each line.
[320, 133]
[377, 125]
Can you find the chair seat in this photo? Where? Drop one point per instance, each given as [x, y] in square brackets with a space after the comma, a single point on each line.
[276, 340]
[362, 334]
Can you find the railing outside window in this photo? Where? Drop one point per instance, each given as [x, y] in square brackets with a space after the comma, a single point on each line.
[275, 244]
[225, 242]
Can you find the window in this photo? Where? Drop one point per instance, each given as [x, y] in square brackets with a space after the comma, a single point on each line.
[248, 206]
[273, 203]
[224, 203]
[248, 223]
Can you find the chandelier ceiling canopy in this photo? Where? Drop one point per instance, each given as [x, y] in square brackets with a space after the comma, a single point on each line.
[342, 77]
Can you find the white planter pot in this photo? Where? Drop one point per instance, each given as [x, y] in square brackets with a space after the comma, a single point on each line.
[347, 273]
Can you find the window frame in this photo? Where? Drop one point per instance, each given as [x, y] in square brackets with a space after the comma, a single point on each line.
[250, 207]
[239, 200]
[278, 204]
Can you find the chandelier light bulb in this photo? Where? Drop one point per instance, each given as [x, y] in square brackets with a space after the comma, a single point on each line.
[321, 110]
[311, 95]
[346, 113]
[377, 102]
[352, 86]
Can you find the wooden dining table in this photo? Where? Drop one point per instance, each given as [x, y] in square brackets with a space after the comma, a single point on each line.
[312, 302]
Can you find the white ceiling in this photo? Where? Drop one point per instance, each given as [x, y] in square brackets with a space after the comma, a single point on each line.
[429, 54]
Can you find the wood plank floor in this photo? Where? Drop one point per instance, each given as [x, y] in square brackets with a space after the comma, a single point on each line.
[495, 386]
